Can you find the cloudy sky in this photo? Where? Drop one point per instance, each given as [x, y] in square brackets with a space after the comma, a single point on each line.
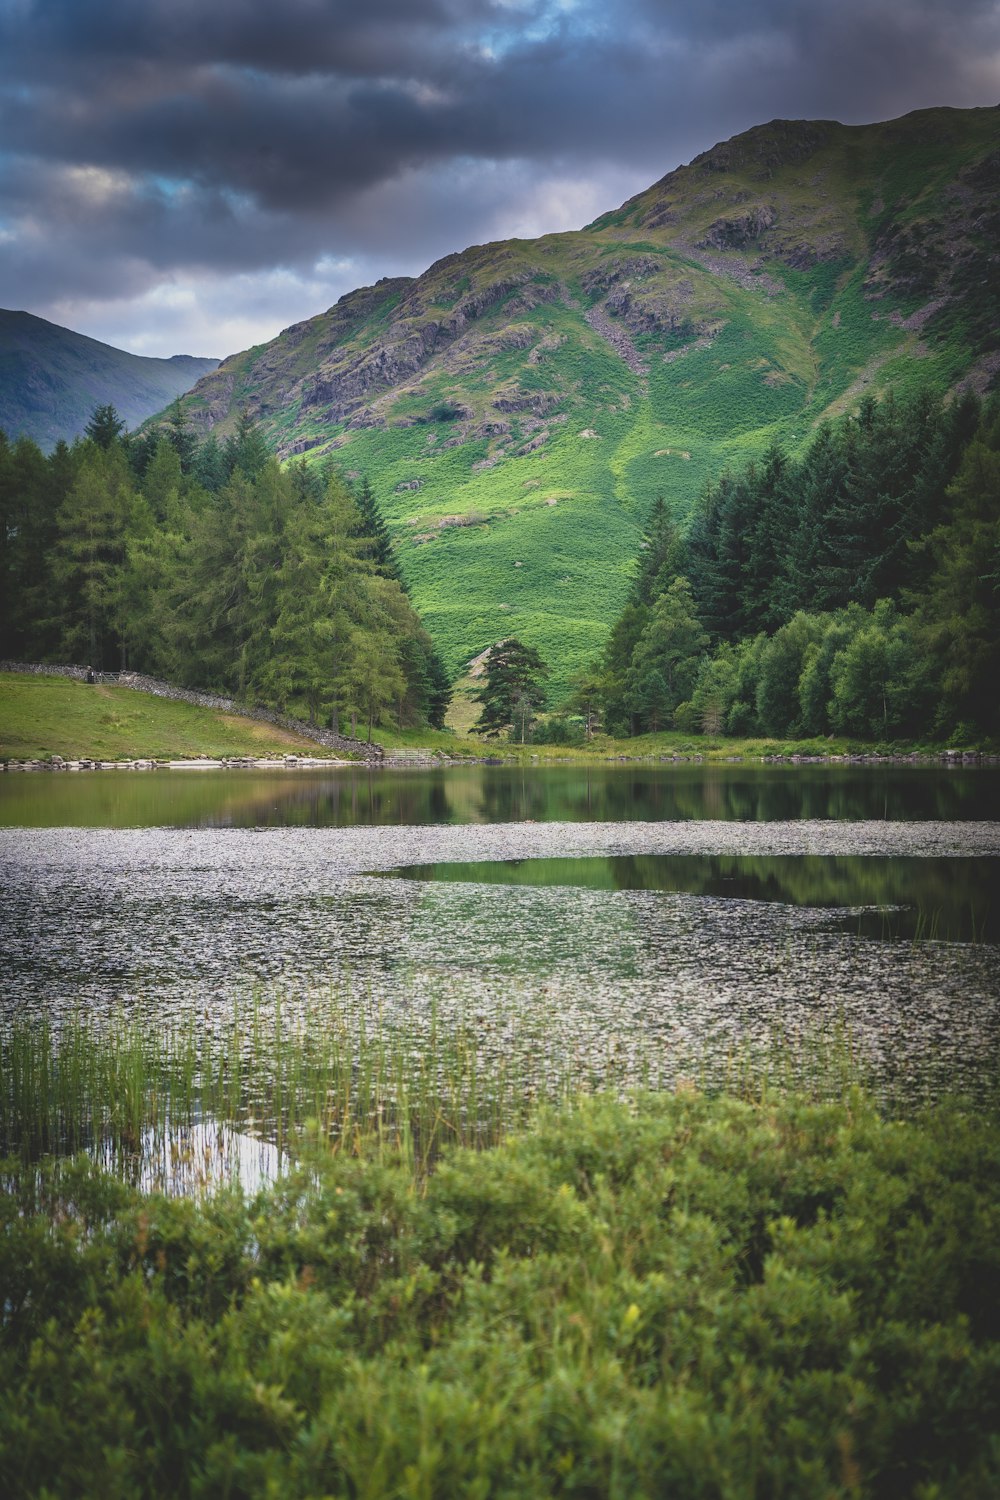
[191, 176]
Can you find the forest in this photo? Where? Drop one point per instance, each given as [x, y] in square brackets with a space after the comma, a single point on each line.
[212, 566]
[851, 588]
[854, 590]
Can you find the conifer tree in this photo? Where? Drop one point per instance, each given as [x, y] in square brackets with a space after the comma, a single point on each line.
[512, 689]
[105, 427]
[88, 563]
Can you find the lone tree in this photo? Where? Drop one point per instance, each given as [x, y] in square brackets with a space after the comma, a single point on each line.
[105, 426]
[512, 690]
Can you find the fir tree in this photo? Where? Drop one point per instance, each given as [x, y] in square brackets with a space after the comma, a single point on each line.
[512, 690]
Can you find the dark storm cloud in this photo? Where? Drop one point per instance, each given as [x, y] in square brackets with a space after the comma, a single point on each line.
[142, 138]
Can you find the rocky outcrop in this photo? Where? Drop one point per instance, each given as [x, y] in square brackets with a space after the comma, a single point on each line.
[513, 399]
[737, 231]
[621, 268]
[615, 335]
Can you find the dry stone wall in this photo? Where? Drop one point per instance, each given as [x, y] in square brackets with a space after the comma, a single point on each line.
[329, 738]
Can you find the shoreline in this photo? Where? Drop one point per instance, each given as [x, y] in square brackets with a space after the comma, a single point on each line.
[428, 759]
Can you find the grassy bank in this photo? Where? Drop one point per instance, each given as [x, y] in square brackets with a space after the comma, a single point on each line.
[45, 716]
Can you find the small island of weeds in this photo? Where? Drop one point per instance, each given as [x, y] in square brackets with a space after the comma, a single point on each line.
[683, 1294]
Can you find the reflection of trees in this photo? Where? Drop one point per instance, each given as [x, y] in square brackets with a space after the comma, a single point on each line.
[955, 899]
[500, 794]
[947, 898]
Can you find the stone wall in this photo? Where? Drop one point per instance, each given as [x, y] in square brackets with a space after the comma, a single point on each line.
[135, 680]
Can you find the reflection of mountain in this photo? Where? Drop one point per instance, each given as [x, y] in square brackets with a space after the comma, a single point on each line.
[950, 899]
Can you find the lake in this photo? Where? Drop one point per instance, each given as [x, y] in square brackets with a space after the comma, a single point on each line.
[653, 922]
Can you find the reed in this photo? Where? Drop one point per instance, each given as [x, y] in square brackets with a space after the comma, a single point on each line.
[181, 1104]
[133, 1094]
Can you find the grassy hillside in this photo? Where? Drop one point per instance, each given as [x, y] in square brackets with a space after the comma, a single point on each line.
[519, 406]
[51, 379]
[45, 716]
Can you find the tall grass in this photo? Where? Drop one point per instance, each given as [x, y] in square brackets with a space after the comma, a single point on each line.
[133, 1094]
[180, 1104]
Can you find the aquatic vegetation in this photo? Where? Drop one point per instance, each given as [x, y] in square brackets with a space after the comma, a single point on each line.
[161, 1106]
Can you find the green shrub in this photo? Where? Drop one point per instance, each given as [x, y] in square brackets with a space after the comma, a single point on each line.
[692, 1296]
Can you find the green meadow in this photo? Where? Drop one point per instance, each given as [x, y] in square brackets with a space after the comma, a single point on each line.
[45, 716]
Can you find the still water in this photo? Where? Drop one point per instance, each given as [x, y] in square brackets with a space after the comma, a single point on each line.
[675, 916]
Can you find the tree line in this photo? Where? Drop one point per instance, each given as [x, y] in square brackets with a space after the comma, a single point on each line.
[210, 564]
[852, 590]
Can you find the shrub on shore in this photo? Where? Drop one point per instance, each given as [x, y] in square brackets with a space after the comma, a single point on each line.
[707, 1297]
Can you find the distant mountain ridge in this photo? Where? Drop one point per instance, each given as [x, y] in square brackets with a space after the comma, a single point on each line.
[52, 378]
[519, 406]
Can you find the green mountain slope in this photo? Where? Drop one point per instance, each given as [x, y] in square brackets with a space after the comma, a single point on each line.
[51, 379]
[518, 407]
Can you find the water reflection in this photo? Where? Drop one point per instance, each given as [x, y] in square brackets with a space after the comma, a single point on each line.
[659, 982]
[493, 794]
[194, 1159]
[957, 900]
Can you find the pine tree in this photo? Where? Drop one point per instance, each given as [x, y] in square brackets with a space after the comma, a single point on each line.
[375, 532]
[246, 450]
[512, 690]
[183, 440]
[88, 562]
[105, 427]
[667, 658]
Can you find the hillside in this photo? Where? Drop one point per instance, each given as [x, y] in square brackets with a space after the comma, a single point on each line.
[51, 379]
[518, 407]
[45, 716]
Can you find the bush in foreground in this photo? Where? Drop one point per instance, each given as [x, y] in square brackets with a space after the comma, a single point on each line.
[695, 1297]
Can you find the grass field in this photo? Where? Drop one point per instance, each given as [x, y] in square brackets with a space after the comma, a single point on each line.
[45, 716]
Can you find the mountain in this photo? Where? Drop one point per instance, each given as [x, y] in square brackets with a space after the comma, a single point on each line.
[51, 379]
[518, 407]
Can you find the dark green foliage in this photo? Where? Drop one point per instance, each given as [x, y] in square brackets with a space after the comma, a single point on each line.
[834, 528]
[958, 614]
[374, 529]
[855, 590]
[512, 690]
[666, 660]
[559, 729]
[215, 569]
[183, 439]
[246, 451]
[105, 427]
[210, 465]
[662, 555]
[427, 691]
[695, 1297]
[87, 568]
[660, 560]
